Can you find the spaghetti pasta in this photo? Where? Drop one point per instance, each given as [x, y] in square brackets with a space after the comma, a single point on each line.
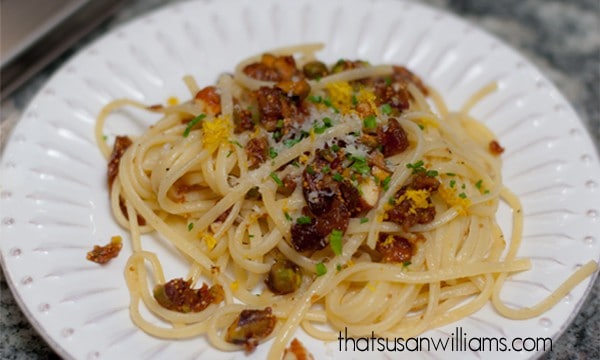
[305, 194]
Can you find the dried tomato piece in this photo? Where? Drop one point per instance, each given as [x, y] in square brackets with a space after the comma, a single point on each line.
[394, 248]
[402, 74]
[297, 351]
[243, 120]
[495, 148]
[103, 254]
[273, 68]
[307, 237]
[257, 150]
[211, 99]
[413, 202]
[119, 148]
[392, 137]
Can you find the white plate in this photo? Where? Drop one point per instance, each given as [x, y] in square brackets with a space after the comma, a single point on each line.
[55, 205]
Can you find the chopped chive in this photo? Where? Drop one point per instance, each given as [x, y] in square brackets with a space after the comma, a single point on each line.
[326, 169]
[319, 129]
[250, 236]
[462, 195]
[276, 135]
[338, 177]
[295, 163]
[338, 267]
[486, 192]
[279, 124]
[321, 269]
[452, 183]
[335, 241]
[193, 123]
[310, 170]
[391, 200]
[422, 127]
[450, 174]
[370, 122]
[329, 104]
[416, 167]
[229, 153]
[386, 109]
[463, 186]
[354, 100]
[290, 142]
[432, 173]
[276, 179]
[335, 147]
[406, 263]
[287, 216]
[236, 143]
[303, 220]
[479, 183]
[364, 220]
[315, 99]
[272, 153]
[190, 226]
[386, 183]
[360, 165]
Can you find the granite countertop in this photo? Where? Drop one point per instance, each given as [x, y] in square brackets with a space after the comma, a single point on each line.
[560, 37]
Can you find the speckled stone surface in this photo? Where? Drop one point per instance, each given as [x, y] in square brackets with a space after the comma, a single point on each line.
[562, 38]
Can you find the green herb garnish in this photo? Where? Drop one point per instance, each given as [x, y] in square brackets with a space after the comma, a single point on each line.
[315, 99]
[338, 177]
[303, 220]
[360, 165]
[370, 122]
[236, 143]
[416, 167]
[479, 183]
[386, 183]
[321, 269]
[335, 241]
[193, 123]
[386, 109]
[272, 153]
[276, 179]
